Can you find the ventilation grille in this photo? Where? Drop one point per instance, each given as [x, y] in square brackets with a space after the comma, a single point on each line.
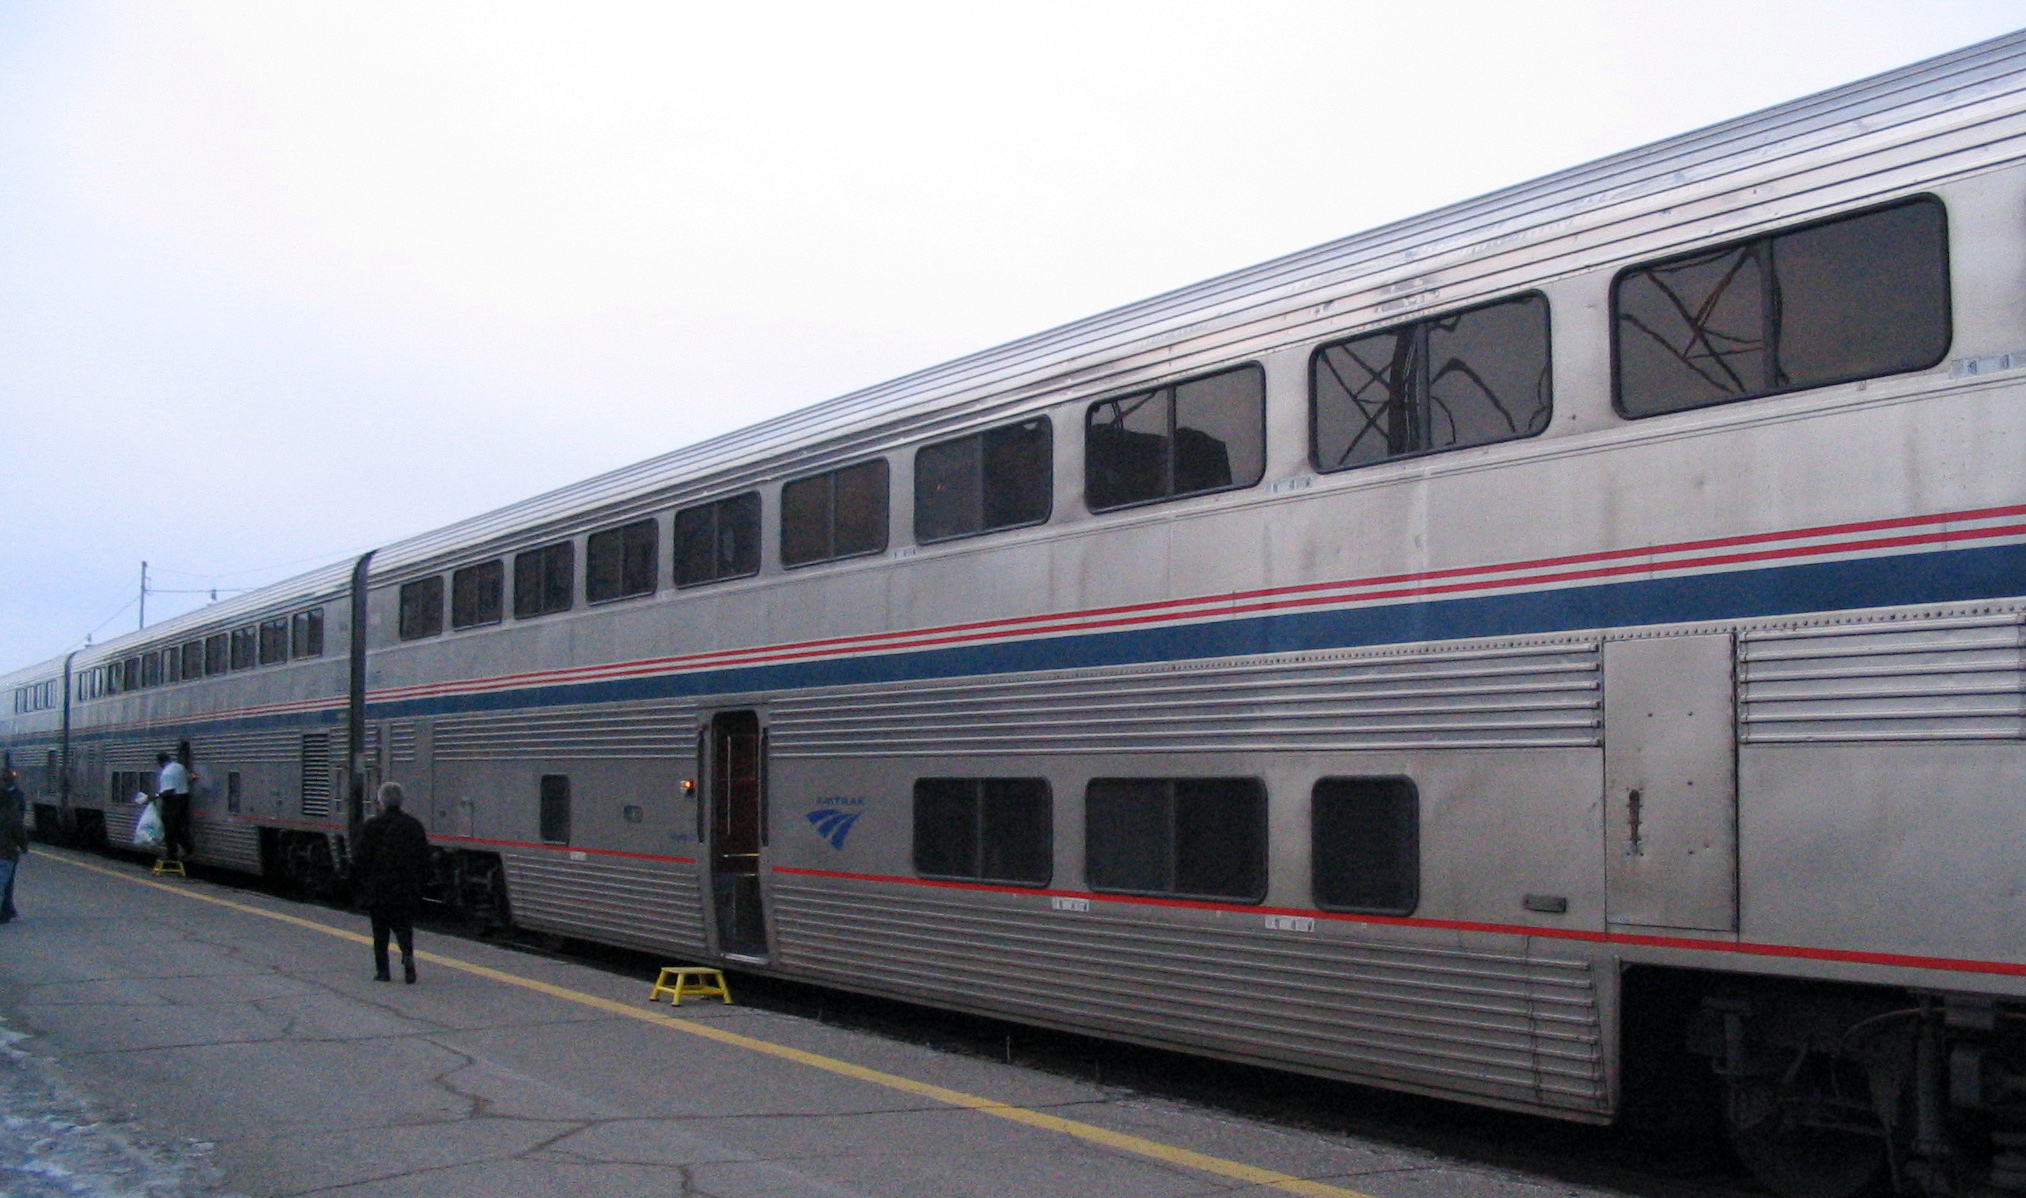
[1960, 679]
[401, 740]
[1535, 696]
[316, 775]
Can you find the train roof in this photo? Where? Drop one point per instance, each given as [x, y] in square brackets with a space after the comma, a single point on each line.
[1930, 99]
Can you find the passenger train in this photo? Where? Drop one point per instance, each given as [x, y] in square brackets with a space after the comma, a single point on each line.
[1480, 657]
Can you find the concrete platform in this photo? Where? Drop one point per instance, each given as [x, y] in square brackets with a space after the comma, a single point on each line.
[251, 1024]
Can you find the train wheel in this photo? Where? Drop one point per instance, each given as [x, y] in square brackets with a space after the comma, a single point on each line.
[1805, 1136]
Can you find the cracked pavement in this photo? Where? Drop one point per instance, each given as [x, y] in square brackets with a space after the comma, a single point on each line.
[271, 1045]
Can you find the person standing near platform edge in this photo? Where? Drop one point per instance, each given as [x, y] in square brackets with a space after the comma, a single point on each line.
[172, 791]
[391, 863]
[13, 840]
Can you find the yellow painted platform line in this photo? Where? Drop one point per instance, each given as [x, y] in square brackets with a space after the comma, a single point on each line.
[1135, 1145]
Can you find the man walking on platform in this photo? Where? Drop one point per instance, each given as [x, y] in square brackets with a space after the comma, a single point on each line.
[391, 862]
[13, 839]
[172, 791]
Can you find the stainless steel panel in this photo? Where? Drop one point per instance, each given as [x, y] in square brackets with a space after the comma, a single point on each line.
[228, 843]
[1908, 680]
[607, 732]
[1534, 696]
[1505, 1026]
[1670, 783]
[612, 900]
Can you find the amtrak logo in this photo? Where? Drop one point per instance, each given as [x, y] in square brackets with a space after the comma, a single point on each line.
[834, 825]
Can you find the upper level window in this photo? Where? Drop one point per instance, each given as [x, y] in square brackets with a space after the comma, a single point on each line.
[1463, 378]
[715, 541]
[477, 595]
[839, 513]
[1845, 299]
[215, 654]
[172, 665]
[151, 670]
[273, 641]
[1187, 837]
[116, 681]
[1366, 838]
[544, 580]
[306, 633]
[1001, 478]
[985, 829]
[242, 648]
[1207, 434]
[620, 563]
[422, 607]
[193, 659]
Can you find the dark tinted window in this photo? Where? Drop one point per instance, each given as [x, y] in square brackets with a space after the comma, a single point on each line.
[422, 607]
[477, 595]
[840, 513]
[622, 562]
[1000, 478]
[987, 829]
[215, 658]
[172, 665]
[130, 672]
[555, 809]
[1207, 434]
[544, 580]
[151, 670]
[306, 633]
[1852, 298]
[193, 659]
[719, 540]
[273, 641]
[1189, 837]
[242, 648]
[1366, 845]
[1465, 378]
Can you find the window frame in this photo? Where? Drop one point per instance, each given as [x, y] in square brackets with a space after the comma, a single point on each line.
[1047, 424]
[1263, 832]
[247, 636]
[716, 507]
[223, 643]
[1315, 457]
[403, 629]
[886, 512]
[499, 611]
[192, 653]
[1171, 386]
[653, 542]
[977, 784]
[1413, 839]
[277, 629]
[1768, 236]
[306, 634]
[565, 549]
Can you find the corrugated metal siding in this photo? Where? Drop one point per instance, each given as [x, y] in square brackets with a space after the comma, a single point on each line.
[1954, 679]
[1504, 1026]
[247, 748]
[611, 732]
[1532, 696]
[401, 740]
[226, 842]
[636, 904]
[120, 819]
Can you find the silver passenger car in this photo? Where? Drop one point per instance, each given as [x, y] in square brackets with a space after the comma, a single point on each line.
[1500, 655]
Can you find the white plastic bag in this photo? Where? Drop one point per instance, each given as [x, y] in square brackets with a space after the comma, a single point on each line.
[148, 828]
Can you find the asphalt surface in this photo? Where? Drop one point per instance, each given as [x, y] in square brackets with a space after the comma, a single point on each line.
[178, 1038]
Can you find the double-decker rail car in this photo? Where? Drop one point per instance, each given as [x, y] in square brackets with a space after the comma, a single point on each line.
[1479, 657]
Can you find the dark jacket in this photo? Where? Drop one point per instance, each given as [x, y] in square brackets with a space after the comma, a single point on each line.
[391, 862]
[13, 823]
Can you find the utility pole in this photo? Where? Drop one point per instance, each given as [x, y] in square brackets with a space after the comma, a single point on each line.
[144, 595]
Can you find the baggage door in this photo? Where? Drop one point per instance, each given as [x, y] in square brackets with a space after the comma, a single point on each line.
[736, 786]
[1670, 783]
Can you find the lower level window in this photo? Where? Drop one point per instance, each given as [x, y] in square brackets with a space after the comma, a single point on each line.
[1186, 837]
[1367, 845]
[984, 829]
[555, 811]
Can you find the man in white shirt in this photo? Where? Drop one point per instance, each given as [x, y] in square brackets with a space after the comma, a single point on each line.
[172, 794]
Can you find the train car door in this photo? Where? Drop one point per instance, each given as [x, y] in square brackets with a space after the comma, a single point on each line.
[1670, 782]
[736, 778]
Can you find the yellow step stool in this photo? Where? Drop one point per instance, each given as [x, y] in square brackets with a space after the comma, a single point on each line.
[164, 867]
[696, 981]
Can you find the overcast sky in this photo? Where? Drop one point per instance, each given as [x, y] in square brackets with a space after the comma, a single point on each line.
[283, 281]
